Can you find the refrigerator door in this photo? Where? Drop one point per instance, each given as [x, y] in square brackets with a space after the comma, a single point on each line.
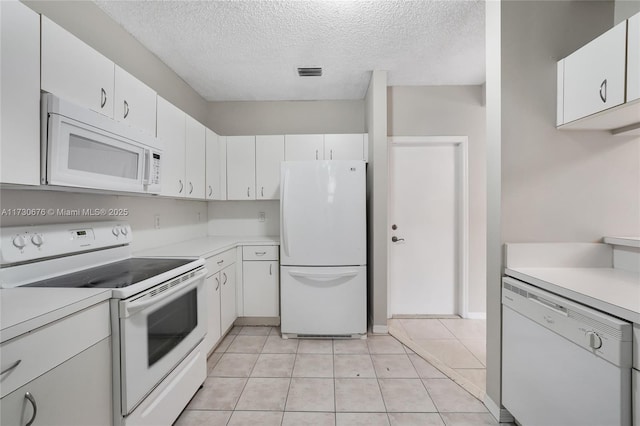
[323, 213]
[323, 301]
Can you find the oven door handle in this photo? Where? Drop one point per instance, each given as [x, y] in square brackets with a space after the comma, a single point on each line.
[133, 307]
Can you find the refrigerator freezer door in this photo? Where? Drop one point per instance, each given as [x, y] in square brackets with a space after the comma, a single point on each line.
[323, 301]
[323, 213]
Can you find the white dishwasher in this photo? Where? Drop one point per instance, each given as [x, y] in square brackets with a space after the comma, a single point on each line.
[563, 364]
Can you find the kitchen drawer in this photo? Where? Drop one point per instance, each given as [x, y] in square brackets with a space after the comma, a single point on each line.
[218, 262]
[49, 346]
[260, 253]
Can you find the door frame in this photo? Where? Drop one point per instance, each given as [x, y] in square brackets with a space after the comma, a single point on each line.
[461, 143]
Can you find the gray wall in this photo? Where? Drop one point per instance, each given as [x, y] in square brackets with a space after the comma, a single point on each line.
[282, 117]
[624, 9]
[89, 23]
[451, 111]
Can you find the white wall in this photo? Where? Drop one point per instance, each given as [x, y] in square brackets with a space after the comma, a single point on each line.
[451, 111]
[180, 220]
[242, 218]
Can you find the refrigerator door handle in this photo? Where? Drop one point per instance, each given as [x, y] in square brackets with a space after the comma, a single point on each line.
[285, 239]
[323, 277]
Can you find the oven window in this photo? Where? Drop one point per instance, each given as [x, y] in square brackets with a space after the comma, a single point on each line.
[95, 157]
[170, 324]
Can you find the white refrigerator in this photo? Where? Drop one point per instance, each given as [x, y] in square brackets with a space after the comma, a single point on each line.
[323, 249]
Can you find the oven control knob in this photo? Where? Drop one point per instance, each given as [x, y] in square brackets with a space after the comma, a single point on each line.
[115, 231]
[37, 240]
[595, 341]
[19, 242]
[124, 230]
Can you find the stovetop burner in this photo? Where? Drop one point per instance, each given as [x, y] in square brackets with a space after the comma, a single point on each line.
[114, 275]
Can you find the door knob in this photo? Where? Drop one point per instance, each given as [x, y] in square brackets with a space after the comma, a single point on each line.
[394, 226]
[396, 239]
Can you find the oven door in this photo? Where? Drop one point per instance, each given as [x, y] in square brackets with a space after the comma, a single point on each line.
[158, 329]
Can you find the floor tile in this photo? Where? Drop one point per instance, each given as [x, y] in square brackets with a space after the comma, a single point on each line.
[362, 419]
[250, 330]
[415, 419]
[418, 329]
[384, 345]
[234, 365]
[466, 328]
[312, 346]
[313, 365]
[203, 418]
[452, 352]
[406, 395]
[292, 418]
[254, 418]
[311, 395]
[394, 366]
[277, 345]
[425, 369]
[353, 366]
[218, 393]
[235, 330]
[213, 360]
[224, 344]
[449, 397]
[268, 394]
[478, 347]
[350, 346]
[247, 344]
[358, 395]
[477, 376]
[274, 365]
[468, 419]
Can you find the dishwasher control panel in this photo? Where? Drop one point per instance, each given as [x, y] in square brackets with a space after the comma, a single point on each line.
[607, 337]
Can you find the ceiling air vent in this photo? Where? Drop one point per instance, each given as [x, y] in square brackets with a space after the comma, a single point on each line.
[310, 72]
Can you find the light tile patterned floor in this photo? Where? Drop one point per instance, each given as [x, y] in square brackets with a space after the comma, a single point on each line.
[256, 378]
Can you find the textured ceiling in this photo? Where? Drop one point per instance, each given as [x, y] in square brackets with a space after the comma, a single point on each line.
[250, 50]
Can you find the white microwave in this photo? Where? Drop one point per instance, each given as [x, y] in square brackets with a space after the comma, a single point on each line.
[84, 149]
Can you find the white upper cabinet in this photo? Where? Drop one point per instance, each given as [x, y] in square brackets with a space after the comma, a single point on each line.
[195, 157]
[303, 147]
[135, 102]
[171, 130]
[633, 58]
[216, 164]
[241, 167]
[344, 147]
[73, 70]
[269, 155]
[20, 82]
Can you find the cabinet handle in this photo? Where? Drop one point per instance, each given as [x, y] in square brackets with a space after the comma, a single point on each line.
[316, 154]
[603, 90]
[270, 269]
[181, 186]
[126, 109]
[210, 190]
[103, 97]
[218, 285]
[32, 400]
[261, 253]
[190, 188]
[220, 262]
[225, 279]
[11, 367]
[331, 155]
[262, 192]
[248, 188]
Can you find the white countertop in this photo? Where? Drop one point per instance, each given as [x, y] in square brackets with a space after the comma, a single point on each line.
[207, 246]
[25, 309]
[623, 241]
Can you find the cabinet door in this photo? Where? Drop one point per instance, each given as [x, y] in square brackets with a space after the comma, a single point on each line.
[135, 102]
[303, 147]
[195, 161]
[241, 167]
[633, 58]
[73, 70]
[594, 75]
[171, 130]
[77, 392]
[344, 147]
[227, 297]
[260, 288]
[216, 166]
[269, 155]
[20, 82]
[212, 286]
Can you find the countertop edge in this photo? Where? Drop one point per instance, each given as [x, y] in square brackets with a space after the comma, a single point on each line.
[623, 241]
[208, 246]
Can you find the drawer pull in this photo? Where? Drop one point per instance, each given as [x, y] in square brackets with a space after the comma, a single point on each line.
[14, 365]
[32, 400]
[261, 253]
[271, 269]
[220, 262]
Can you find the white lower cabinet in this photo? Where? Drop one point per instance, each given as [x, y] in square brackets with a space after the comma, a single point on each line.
[221, 296]
[260, 281]
[76, 392]
[635, 389]
[212, 285]
[227, 297]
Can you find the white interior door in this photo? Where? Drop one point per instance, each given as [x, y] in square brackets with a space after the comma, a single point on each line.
[425, 208]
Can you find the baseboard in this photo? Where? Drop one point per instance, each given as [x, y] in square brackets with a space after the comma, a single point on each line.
[380, 329]
[502, 415]
[477, 315]
[268, 321]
